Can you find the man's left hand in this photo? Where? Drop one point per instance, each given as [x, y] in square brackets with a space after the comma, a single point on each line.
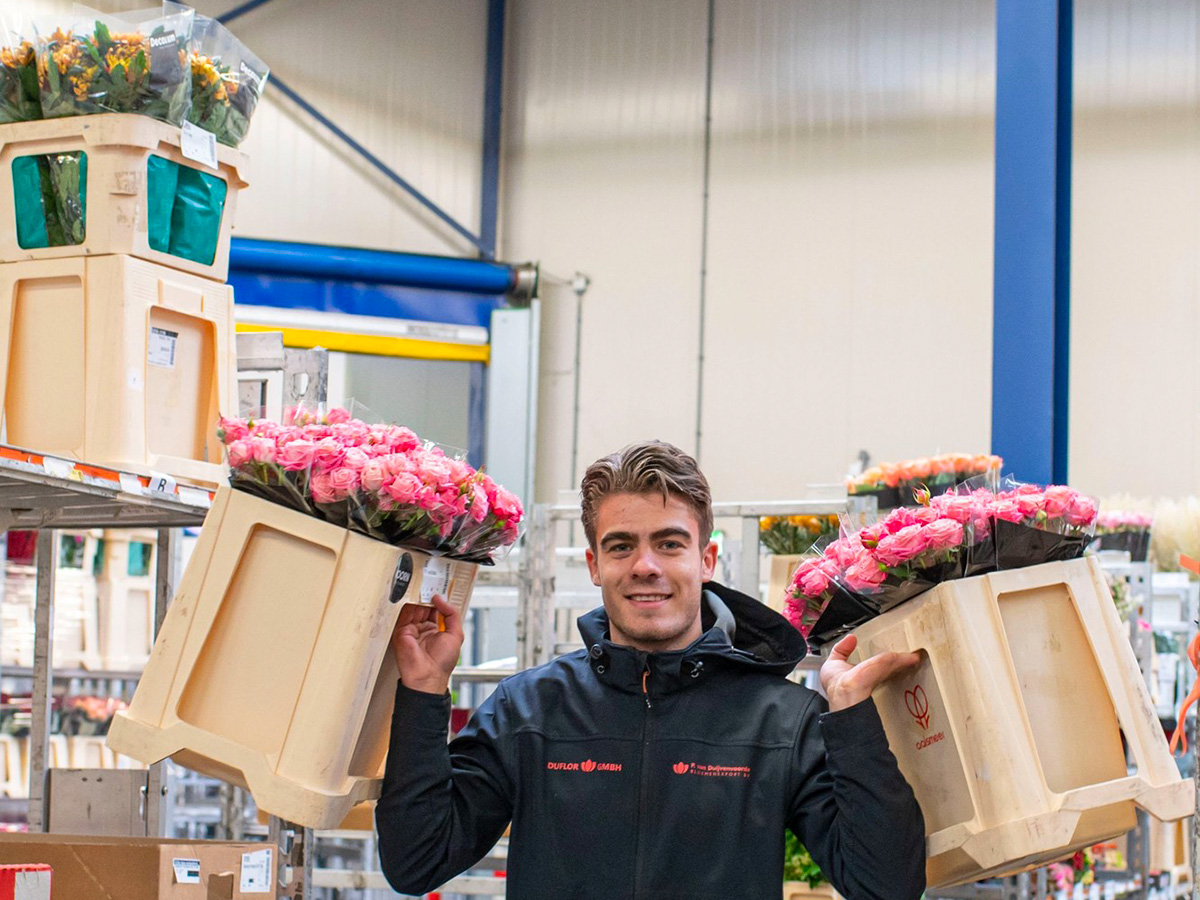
[846, 685]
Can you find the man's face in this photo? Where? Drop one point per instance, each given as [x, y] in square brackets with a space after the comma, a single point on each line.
[649, 562]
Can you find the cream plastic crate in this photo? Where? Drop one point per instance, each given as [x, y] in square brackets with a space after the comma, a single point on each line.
[1171, 846]
[272, 669]
[783, 566]
[799, 890]
[125, 603]
[13, 779]
[1010, 730]
[116, 361]
[118, 147]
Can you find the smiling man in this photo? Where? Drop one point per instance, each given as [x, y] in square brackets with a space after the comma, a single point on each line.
[666, 758]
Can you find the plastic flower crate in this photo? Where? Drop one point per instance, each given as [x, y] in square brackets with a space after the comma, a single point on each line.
[117, 361]
[139, 194]
[1010, 730]
[273, 669]
[783, 567]
[799, 890]
[125, 599]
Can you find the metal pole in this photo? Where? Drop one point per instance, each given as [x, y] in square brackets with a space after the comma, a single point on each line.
[748, 576]
[157, 815]
[43, 648]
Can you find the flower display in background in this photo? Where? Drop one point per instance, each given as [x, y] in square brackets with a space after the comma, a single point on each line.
[227, 81]
[380, 480]
[790, 535]
[894, 484]
[911, 549]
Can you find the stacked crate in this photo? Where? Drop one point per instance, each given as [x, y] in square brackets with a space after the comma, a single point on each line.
[116, 329]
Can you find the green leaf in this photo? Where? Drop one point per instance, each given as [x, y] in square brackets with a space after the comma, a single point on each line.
[103, 38]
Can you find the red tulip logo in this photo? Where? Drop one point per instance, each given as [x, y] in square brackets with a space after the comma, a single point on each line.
[588, 765]
[918, 706]
[680, 768]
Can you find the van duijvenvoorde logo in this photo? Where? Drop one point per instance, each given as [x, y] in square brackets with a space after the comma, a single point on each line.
[706, 771]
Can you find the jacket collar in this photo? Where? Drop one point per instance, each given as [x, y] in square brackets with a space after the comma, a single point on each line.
[738, 631]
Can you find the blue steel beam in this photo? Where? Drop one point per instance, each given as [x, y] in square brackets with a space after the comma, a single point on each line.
[1031, 322]
[237, 11]
[489, 198]
[389, 173]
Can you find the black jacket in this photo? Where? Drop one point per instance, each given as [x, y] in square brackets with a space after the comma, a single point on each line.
[673, 784]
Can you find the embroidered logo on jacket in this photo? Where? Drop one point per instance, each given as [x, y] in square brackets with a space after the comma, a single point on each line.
[707, 771]
[588, 765]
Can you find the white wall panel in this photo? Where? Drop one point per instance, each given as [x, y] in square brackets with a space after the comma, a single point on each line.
[1135, 274]
[851, 238]
[604, 119]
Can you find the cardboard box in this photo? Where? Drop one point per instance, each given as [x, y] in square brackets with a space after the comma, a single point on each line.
[147, 868]
[1010, 730]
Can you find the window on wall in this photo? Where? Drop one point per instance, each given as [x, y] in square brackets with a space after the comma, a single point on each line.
[432, 397]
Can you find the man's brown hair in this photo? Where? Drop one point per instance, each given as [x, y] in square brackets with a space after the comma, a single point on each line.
[649, 467]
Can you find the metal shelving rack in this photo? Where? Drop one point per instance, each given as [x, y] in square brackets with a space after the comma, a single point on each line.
[46, 493]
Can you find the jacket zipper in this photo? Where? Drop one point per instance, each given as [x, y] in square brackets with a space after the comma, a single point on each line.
[645, 780]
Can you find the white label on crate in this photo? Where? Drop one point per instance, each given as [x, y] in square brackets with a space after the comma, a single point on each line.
[256, 872]
[161, 484]
[198, 145]
[130, 483]
[435, 579]
[160, 348]
[187, 871]
[59, 468]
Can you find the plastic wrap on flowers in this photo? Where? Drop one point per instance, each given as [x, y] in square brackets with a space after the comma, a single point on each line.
[227, 81]
[379, 480]
[904, 554]
[1036, 525]
[969, 504]
[134, 63]
[19, 96]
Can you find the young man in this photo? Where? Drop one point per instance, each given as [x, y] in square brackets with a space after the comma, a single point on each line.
[664, 760]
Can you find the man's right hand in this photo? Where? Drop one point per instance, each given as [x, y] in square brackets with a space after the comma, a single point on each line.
[425, 653]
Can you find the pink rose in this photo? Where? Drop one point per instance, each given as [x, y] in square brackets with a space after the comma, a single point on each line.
[239, 453]
[507, 506]
[400, 464]
[864, 575]
[816, 580]
[434, 470]
[355, 458]
[1030, 504]
[232, 429]
[956, 507]
[401, 439]
[923, 515]
[460, 471]
[1058, 500]
[297, 455]
[351, 434]
[844, 551]
[328, 454]
[479, 503]
[454, 502]
[262, 449]
[1081, 514]
[337, 415]
[404, 488]
[872, 535]
[321, 487]
[1007, 510]
[899, 548]
[898, 518]
[343, 481]
[374, 475]
[943, 534]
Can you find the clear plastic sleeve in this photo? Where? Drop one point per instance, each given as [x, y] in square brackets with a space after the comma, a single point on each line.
[227, 81]
[136, 63]
[20, 99]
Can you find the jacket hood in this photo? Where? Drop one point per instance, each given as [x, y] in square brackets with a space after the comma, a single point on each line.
[737, 630]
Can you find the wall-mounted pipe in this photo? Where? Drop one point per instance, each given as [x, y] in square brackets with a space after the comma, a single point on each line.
[320, 262]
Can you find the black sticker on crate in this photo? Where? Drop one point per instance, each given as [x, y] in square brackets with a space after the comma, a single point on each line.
[403, 577]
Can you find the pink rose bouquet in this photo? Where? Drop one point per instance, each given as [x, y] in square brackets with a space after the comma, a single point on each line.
[1125, 530]
[380, 480]
[1035, 524]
